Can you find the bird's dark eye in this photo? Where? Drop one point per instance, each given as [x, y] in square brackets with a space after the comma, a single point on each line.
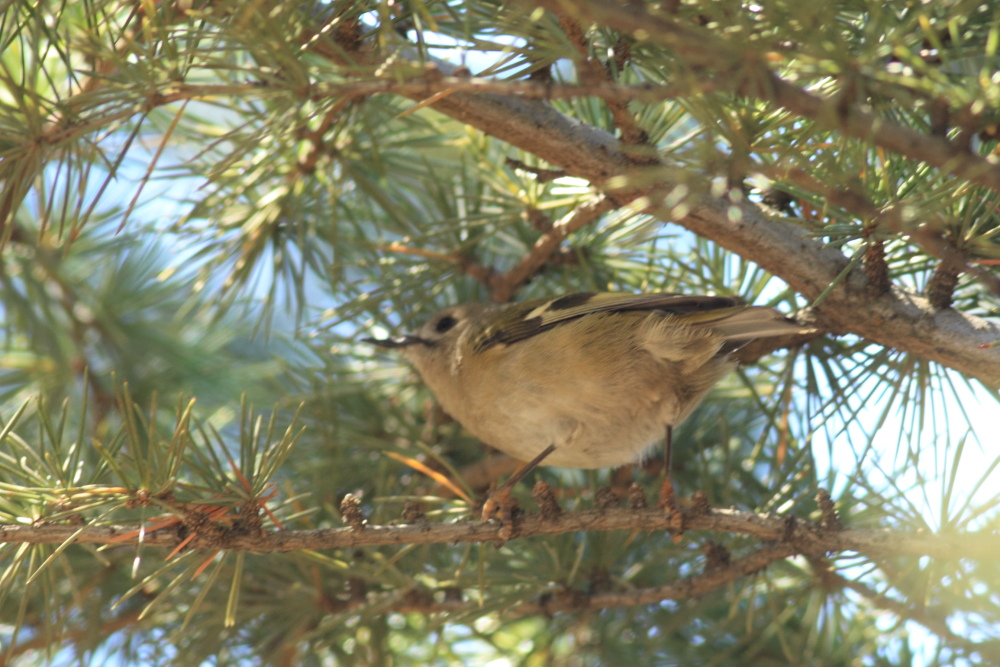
[445, 323]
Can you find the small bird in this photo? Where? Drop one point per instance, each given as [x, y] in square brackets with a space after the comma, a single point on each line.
[586, 380]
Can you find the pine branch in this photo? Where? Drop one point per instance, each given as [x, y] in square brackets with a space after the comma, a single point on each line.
[126, 620]
[762, 83]
[592, 71]
[890, 220]
[713, 577]
[900, 319]
[936, 623]
[504, 285]
[805, 536]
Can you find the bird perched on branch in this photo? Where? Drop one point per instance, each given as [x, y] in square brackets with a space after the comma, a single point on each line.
[586, 380]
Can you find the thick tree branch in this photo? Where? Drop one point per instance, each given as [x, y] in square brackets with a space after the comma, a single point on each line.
[899, 319]
[889, 219]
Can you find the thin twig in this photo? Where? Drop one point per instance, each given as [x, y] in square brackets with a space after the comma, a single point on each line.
[507, 283]
[683, 589]
[483, 274]
[423, 601]
[44, 640]
[541, 175]
[591, 71]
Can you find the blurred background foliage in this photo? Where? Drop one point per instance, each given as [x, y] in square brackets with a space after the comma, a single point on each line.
[202, 215]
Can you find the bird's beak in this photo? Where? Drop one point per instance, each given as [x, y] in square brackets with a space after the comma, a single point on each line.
[393, 343]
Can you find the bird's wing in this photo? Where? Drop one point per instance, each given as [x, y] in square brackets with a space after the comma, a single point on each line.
[542, 315]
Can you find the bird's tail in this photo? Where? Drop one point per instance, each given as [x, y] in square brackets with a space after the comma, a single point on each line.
[745, 323]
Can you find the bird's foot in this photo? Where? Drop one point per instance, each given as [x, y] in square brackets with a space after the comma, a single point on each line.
[500, 505]
[668, 501]
[500, 500]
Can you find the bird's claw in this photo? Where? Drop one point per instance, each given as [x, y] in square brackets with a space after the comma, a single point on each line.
[500, 505]
[668, 501]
